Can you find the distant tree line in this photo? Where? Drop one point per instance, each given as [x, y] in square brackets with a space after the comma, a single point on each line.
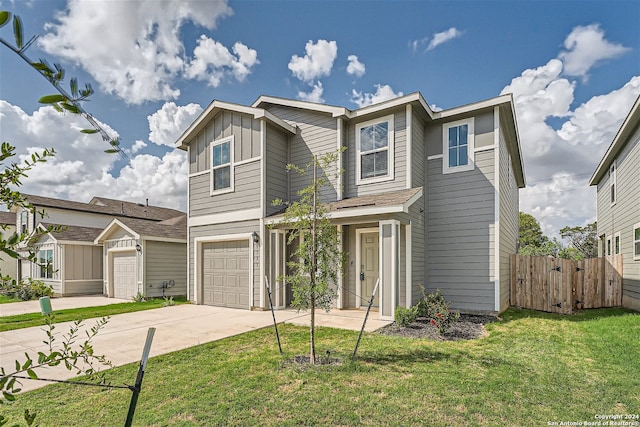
[582, 241]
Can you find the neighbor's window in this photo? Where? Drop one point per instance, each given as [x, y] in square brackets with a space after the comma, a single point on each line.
[23, 222]
[458, 143]
[374, 142]
[603, 247]
[636, 241]
[45, 260]
[612, 182]
[616, 244]
[222, 166]
[608, 245]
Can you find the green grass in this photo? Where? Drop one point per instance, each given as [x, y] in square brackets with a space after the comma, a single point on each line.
[532, 368]
[5, 299]
[8, 323]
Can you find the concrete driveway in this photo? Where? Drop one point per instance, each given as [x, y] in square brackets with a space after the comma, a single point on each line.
[177, 327]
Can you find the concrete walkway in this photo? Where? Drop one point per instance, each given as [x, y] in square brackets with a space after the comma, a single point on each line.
[33, 306]
[177, 327]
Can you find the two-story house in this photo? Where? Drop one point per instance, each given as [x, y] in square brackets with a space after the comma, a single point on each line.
[427, 198]
[8, 266]
[105, 246]
[617, 178]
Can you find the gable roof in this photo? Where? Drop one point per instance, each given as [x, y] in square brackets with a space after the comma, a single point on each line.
[621, 139]
[72, 233]
[101, 205]
[173, 229]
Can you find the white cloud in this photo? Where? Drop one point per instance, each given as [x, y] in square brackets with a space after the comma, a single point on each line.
[383, 93]
[443, 37]
[133, 48]
[315, 95]
[560, 159]
[317, 61]
[168, 123]
[355, 67]
[586, 47]
[212, 61]
[81, 168]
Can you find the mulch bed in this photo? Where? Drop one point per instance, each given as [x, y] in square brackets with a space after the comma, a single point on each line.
[468, 327]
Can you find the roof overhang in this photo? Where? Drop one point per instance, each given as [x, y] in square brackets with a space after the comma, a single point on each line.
[110, 228]
[216, 106]
[627, 129]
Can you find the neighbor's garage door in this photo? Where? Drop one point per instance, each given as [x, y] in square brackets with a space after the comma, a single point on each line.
[124, 275]
[225, 274]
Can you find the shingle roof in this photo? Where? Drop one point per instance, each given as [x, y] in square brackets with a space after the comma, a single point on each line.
[106, 206]
[173, 228]
[75, 233]
[393, 198]
[8, 218]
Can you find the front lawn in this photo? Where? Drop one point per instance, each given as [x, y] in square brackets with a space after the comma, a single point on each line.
[6, 299]
[27, 320]
[531, 369]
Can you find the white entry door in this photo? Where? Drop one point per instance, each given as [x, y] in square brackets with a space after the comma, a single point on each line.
[368, 274]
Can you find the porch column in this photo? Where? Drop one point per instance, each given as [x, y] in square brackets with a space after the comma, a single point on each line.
[389, 267]
[339, 303]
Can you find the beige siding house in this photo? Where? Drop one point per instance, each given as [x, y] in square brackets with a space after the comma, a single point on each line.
[617, 178]
[8, 265]
[71, 258]
[426, 199]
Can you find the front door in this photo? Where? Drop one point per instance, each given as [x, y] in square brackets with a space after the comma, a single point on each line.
[368, 273]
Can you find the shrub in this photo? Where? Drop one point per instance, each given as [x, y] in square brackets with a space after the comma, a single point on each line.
[40, 289]
[139, 297]
[405, 316]
[435, 308]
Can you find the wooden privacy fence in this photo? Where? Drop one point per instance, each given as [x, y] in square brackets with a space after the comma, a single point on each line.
[564, 286]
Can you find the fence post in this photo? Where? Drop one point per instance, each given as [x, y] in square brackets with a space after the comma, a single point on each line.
[136, 388]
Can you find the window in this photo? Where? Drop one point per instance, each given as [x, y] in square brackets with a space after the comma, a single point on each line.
[609, 246]
[458, 144]
[603, 245]
[636, 241]
[612, 182]
[23, 222]
[46, 263]
[616, 244]
[222, 166]
[374, 142]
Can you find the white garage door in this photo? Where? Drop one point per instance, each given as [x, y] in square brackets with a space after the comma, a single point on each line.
[124, 275]
[225, 274]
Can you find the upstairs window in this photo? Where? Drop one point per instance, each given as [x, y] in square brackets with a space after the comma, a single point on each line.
[612, 182]
[222, 166]
[458, 145]
[616, 244]
[636, 241]
[374, 142]
[45, 260]
[23, 222]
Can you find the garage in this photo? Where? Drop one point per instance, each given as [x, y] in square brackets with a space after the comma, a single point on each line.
[124, 275]
[225, 274]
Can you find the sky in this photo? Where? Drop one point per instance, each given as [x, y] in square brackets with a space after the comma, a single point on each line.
[573, 68]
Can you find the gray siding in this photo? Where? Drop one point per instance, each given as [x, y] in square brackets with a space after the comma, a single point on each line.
[316, 135]
[83, 262]
[245, 129]
[418, 247]
[400, 158]
[165, 261]
[460, 234]
[215, 230]
[276, 159]
[417, 151]
[509, 223]
[246, 192]
[623, 215]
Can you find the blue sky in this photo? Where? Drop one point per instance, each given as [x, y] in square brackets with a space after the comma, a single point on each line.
[573, 67]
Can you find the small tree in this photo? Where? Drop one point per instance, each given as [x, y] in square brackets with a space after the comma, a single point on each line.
[318, 259]
[583, 239]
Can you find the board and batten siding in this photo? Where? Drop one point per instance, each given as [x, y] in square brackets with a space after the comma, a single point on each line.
[460, 233]
[621, 217]
[244, 128]
[277, 177]
[509, 220]
[219, 231]
[316, 135]
[399, 181]
[165, 261]
[245, 195]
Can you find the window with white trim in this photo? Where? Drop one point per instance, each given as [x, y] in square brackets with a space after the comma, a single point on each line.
[458, 146]
[603, 246]
[222, 166]
[374, 143]
[616, 243]
[636, 241]
[45, 260]
[609, 246]
[23, 222]
[612, 182]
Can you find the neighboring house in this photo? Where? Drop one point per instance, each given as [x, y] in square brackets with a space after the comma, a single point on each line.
[8, 266]
[618, 204]
[72, 260]
[427, 198]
